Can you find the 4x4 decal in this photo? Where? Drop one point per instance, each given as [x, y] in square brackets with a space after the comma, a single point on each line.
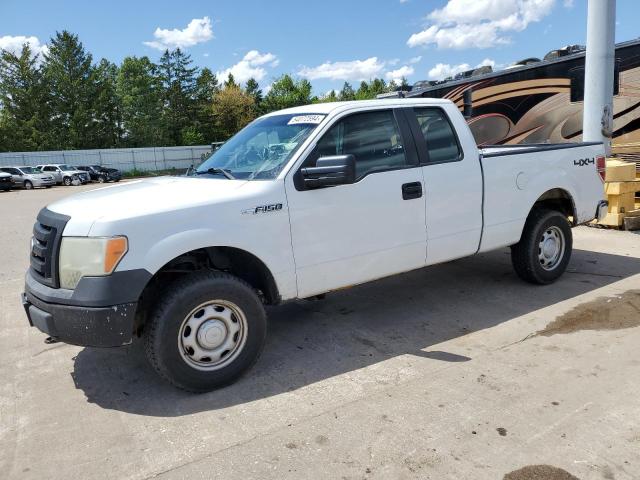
[583, 162]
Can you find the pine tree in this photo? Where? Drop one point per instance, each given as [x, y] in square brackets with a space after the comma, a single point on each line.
[139, 91]
[68, 78]
[230, 81]
[206, 88]
[363, 91]
[107, 108]
[23, 119]
[179, 83]
[253, 90]
[347, 93]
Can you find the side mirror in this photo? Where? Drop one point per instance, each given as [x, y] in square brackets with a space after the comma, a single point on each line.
[330, 171]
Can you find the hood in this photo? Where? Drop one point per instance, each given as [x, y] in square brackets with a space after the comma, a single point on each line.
[142, 198]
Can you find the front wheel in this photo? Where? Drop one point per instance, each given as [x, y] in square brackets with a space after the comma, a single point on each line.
[207, 330]
[101, 179]
[28, 185]
[544, 250]
[67, 181]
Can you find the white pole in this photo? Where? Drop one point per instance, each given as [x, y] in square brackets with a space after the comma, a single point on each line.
[597, 123]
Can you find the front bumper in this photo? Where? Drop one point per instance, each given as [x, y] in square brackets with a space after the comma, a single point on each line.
[39, 182]
[85, 326]
[100, 312]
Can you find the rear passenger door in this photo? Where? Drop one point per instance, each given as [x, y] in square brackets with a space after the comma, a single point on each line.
[453, 184]
[375, 227]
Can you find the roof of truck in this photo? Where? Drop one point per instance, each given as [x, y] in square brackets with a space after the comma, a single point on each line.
[326, 108]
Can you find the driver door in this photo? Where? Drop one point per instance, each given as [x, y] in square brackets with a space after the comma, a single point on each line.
[349, 234]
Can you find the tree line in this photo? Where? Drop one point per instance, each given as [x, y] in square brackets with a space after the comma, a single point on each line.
[63, 100]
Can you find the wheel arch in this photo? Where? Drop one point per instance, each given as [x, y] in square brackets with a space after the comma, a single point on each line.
[235, 261]
[560, 200]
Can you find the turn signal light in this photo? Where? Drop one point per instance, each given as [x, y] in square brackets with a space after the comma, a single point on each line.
[116, 248]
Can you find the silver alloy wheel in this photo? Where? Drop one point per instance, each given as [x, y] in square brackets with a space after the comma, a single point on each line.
[551, 248]
[212, 335]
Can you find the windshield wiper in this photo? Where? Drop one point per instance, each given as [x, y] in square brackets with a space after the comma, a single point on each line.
[217, 171]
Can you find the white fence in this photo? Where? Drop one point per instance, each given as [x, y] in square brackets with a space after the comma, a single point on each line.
[124, 159]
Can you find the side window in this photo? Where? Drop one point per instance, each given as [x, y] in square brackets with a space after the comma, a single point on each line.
[49, 169]
[438, 133]
[373, 138]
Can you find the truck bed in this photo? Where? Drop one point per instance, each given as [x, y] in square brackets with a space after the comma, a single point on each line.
[516, 176]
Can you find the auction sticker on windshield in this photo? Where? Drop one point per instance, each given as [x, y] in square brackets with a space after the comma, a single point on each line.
[306, 119]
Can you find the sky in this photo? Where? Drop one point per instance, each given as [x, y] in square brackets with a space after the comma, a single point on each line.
[328, 42]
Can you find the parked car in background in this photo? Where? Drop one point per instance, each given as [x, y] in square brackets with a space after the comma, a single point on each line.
[65, 174]
[29, 177]
[101, 174]
[6, 181]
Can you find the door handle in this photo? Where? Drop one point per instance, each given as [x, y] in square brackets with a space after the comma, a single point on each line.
[411, 190]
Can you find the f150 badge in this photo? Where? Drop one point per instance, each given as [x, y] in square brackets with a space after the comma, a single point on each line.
[274, 207]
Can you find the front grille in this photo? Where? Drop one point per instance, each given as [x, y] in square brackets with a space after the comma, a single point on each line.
[47, 235]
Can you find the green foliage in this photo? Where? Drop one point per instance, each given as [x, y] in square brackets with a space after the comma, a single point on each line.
[23, 116]
[139, 91]
[232, 110]
[286, 93]
[69, 81]
[107, 108]
[179, 84]
[204, 122]
[347, 92]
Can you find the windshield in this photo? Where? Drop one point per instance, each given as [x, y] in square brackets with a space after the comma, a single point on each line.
[66, 168]
[262, 148]
[29, 170]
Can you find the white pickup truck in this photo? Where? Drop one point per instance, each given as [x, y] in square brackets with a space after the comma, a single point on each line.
[300, 202]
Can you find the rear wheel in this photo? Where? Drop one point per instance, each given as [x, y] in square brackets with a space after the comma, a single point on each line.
[208, 329]
[544, 251]
[28, 185]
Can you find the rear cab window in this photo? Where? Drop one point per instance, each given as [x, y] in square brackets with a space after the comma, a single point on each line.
[441, 141]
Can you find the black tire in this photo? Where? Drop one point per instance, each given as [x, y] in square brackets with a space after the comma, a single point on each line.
[101, 179]
[67, 181]
[162, 333]
[28, 185]
[525, 255]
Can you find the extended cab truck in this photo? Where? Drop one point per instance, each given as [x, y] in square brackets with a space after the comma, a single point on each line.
[300, 202]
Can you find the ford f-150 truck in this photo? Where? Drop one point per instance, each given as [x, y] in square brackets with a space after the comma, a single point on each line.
[299, 203]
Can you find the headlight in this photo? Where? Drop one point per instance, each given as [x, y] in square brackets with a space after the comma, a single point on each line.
[89, 257]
